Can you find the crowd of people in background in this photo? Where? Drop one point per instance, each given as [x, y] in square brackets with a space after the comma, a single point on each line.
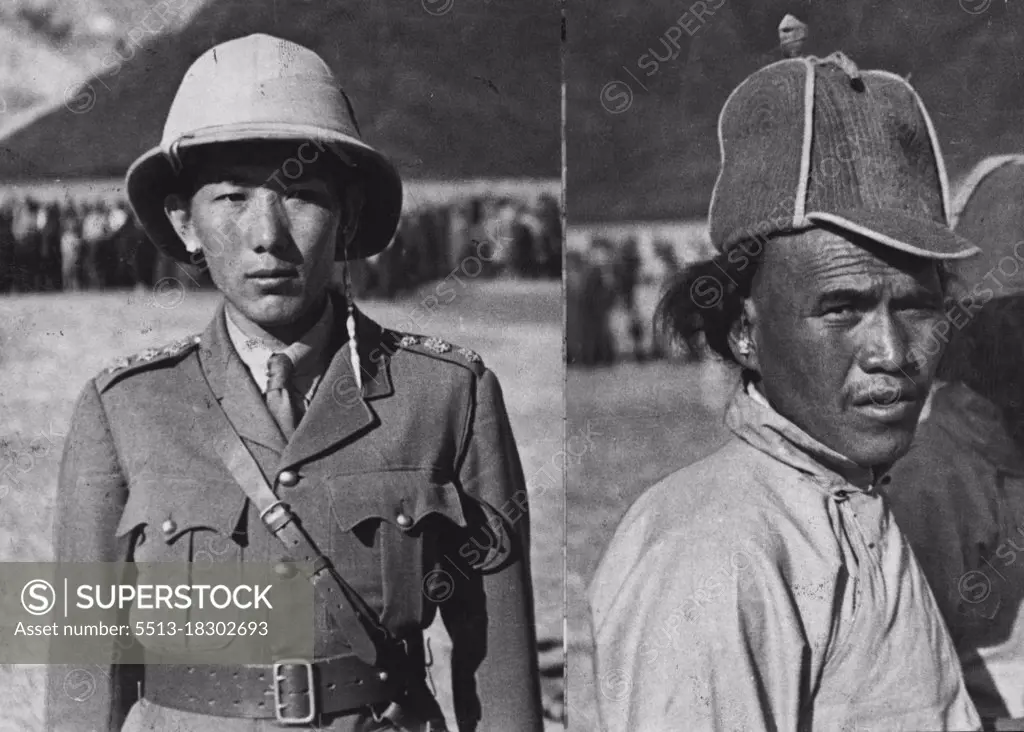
[606, 277]
[482, 238]
[70, 245]
[76, 245]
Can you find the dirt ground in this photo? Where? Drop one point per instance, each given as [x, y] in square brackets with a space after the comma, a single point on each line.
[644, 421]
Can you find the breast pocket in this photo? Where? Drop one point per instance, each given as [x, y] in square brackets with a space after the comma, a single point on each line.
[384, 526]
[176, 529]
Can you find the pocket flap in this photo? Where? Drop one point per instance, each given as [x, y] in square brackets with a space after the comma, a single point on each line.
[173, 506]
[402, 498]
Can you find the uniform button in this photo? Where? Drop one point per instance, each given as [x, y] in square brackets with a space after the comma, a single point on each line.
[288, 478]
[169, 527]
[284, 569]
[383, 675]
[404, 521]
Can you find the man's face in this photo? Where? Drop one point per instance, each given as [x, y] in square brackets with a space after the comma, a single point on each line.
[269, 240]
[844, 339]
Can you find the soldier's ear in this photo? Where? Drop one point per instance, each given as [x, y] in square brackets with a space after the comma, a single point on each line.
[178, 212]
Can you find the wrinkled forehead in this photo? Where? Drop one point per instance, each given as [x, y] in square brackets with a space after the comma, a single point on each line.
[820, 259]
[272, 162]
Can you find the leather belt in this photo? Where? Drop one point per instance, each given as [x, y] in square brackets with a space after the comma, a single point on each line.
[292, 691]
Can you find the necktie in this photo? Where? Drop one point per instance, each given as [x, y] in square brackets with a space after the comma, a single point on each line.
[279, 400]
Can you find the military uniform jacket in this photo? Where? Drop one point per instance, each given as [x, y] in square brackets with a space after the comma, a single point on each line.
[427, 438]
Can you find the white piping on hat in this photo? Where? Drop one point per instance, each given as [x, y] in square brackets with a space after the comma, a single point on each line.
[976, 177]
[800, 207]
[936, 149]
[721, 152]
[888, 240]
[721, 141]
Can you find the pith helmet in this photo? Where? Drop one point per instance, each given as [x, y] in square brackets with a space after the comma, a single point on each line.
[264, 88]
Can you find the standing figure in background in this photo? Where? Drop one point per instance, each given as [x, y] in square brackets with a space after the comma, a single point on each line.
[496, 252]
[526, 241]
[478, 238]
[577, 321]
[388, 267]
[71, 247]
[94, 236]
[7, 246]
[959, 493]
[433, 259]
[626, 267]
[597, 300]
[668, 264]
[457, 236]
[550, 215]
[412, 265]
[26, 245]
[144, 264]
[50, 250]
[121, 243]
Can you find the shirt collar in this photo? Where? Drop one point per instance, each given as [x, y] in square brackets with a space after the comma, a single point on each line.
[307, 353]
[753, 420]
[926, 410]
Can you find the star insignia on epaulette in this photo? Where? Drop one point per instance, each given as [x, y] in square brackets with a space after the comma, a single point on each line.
[121, 363]
[471, 356]
[151, 353]
[179, 346]
[408, 341]
[437, 345]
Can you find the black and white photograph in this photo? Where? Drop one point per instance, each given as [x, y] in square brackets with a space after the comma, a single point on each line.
[281, 284]
[794, 342]
[478, 366]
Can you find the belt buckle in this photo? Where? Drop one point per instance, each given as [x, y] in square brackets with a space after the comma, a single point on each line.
[310, 691]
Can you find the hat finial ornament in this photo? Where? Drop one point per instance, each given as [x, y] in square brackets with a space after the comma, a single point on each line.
[792, 34]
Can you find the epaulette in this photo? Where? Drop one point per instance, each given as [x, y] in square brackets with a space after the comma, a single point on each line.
[128, 364]
[443, 349]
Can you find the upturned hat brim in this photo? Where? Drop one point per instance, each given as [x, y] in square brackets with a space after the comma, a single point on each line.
[911, 234]
[152, 178]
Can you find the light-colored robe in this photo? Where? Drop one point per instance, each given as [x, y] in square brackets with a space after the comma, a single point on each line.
[767, 587]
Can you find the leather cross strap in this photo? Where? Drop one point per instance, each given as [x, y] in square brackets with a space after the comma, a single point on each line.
[370, 641]
[343, 603]
[355, 619]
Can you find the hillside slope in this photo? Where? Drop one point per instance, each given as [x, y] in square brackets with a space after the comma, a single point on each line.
[47, 45]
[473, 92]
[658, 158]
